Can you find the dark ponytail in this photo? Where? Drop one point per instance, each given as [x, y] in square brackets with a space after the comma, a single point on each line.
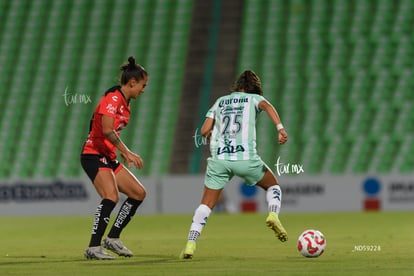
[132, 70]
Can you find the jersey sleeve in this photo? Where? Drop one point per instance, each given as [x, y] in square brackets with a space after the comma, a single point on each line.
[211, 113]
[256, 100]
[109, 105]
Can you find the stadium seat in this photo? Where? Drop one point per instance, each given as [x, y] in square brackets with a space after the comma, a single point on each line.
[316, 87]
[325, 60]
[164, 60]
[383, 87]
[361, 20]
[319, 17]
[383, 120]
[403, 19]
[313, 119]
[80, 50]
[360, 90]
[313, 154]
[403, 88]
[250, 38]
[360, 153]
[384, 155]
[316, 55]
[359, 65]
[402, 122]
[336, 155]
[404, 158]
[339, 55]
[361, 118]
[383, 19]
[338, 89]
[404, 54]
[337, 121]
[340, 20]
[383, 54]
[361, 55]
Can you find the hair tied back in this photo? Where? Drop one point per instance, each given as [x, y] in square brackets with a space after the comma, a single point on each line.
[131, 62]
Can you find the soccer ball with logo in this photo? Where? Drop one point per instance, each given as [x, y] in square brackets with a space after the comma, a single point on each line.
[311, 243]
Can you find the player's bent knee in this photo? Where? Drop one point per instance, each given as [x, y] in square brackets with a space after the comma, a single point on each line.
[138, 194]
[142, 194]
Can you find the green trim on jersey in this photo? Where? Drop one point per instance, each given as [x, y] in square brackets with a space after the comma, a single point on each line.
[234, 132]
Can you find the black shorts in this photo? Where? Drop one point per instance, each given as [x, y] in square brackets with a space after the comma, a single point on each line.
[92, 163]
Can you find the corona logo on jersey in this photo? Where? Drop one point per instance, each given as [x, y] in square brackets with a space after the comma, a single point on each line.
[234, 100]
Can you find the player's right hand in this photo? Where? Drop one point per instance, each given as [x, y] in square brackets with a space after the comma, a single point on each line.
[282, 136]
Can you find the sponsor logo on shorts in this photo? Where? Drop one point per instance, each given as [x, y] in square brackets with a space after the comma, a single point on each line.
[103, 160]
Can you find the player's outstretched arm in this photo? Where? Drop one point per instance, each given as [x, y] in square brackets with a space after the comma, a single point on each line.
[274, 116]
[129, 157]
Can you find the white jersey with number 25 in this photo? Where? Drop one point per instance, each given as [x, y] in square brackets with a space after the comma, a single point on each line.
[234, 132]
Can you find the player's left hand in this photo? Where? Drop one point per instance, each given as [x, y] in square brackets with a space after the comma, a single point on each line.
[132, 159]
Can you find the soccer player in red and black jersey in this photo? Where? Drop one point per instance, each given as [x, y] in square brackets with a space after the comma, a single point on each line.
[98, 159]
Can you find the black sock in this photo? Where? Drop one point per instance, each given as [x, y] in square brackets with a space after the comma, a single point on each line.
[101, 221]
[127, 211]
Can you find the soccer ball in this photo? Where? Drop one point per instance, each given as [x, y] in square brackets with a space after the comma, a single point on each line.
[311, 243]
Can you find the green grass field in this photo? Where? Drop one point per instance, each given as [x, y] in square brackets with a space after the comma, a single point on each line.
[229, 245]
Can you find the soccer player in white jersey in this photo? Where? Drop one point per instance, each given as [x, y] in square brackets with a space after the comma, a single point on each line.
[230, 125]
